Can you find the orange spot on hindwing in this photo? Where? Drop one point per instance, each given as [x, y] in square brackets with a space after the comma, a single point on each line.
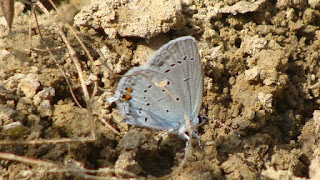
[127, 96]
[129, 90]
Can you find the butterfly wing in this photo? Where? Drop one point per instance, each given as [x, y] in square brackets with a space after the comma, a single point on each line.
[160, 93]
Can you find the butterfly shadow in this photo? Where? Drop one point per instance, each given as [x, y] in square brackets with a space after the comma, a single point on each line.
[159, 157]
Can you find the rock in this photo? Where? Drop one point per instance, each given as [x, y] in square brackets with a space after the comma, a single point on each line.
[29, 85]
[127, 162]
[144, 19]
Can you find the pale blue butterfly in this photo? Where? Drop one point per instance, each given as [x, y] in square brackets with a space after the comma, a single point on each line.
[165, 91]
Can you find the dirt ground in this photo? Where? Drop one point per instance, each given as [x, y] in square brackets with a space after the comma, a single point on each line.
[262, 69]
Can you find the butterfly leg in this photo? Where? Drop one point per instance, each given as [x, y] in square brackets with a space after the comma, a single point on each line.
[195, 134]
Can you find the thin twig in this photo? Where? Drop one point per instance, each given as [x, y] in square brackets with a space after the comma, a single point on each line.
[56, 168]
[77, 65]
[46, 141]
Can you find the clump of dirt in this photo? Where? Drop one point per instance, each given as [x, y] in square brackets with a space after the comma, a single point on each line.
[261, 64]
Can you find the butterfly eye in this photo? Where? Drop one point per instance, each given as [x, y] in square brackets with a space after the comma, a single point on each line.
[201, 120]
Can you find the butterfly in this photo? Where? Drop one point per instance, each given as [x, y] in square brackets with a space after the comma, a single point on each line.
[165, 93]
